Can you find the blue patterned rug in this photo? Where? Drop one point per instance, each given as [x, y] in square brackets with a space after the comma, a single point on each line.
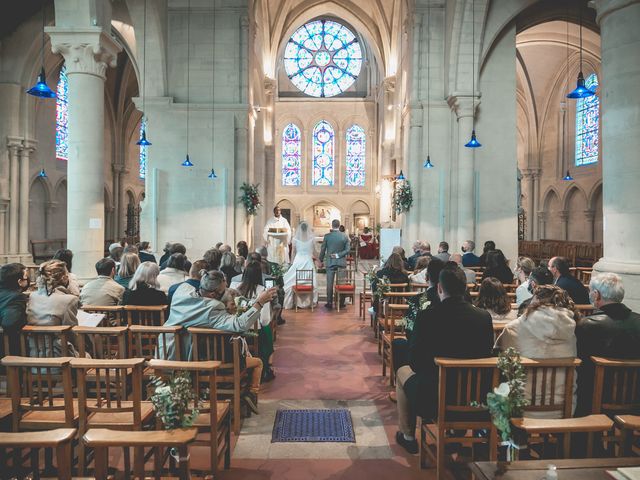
[313, 426]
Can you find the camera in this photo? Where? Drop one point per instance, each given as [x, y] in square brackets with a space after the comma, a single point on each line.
[269, 283]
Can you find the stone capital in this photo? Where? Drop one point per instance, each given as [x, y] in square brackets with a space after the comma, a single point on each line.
[389, 84]
[88, 50]
[606, 7]
[269, 85]
[14, 144]
[590, 215]
[564, 215]
[117, 168]
[530, 173]
[463, 104]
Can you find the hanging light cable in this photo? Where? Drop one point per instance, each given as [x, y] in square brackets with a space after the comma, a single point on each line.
[41, 89]
[568, 176]
[213, 175]
[187, 162]
[473, 143]
[143, 142]
[581, 91]
[427, 163]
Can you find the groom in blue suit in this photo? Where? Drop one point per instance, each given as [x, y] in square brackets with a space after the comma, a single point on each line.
[335, 246]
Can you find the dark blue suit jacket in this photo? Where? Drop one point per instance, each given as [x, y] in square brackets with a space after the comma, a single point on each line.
[470, 259]
[576, 290]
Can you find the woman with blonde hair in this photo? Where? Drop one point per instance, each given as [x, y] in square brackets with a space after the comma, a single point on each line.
[52, 304]
[143, 288]
[419, 274]
[524, 267]
[129, 262]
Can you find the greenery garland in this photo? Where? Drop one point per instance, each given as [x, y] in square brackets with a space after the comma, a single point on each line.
[250, 198]
[402, 197]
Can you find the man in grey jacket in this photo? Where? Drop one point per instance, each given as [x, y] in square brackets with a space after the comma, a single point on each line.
[335, 246]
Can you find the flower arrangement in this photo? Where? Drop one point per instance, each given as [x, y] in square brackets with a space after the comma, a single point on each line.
[172, 401]
[242, 305]
[250, 198]
[371, 274]
[277, 271]
[382, 287]
[402, 197]
[416, 305]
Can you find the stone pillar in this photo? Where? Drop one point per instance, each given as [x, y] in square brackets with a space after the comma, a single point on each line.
[530, 177]
[535, 234]
[620, 50]
[564, 219]
[23, 235]
[3, 219]
[14, 145]
[118, 203]
[542, 222]
[463, 106]
[590, 216]
[87, 53]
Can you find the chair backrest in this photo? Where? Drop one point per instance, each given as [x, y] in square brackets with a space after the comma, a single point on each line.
[396, 298]
[550, 384]
[304, 277]
[616, 387]
[151, 316]
[462, 382]
[153, 342]
[419, 287]
[510, 287]
[398, 287]
[346, 276]
[115, 386]
[113, 315]
[43, 342]
[225, 347]
[44, 383]
[394, 312]
[102, 342]
[366, 284]
[586, 309]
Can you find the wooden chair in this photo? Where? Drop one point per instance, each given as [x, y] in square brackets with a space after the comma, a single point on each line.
[461, 382]
[616, 389]
[100, 439]
[366, 296]
[629, 426]
[390, 332]
[345, 286]
[151, 316]
[45, 342]
[304, 286]
[41, 392]
[113, 315]
[59, 440]
[101, 342]
[390, 298]
[232, 375]
[144, 342]
[110, 400]
[586, 310]
[510, 287]
[418, 287]
[214, 417]
[542, 380]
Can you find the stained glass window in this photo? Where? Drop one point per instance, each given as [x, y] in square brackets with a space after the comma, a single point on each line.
[291, 150]
[323, 58]
[587, 125]
[142, 160]
[323, 146]
[356, 151]
[62, 116]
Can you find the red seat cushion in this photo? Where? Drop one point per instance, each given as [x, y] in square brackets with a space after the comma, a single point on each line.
[302, 288]
[345, 288]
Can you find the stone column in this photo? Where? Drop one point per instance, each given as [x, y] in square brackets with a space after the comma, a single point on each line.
[535, 234]
[87, 53]
[542, 222]
[590, 216]
[620, 50]
[530, 177]
[3, 219]
[14, 145]
[463, 106]
[23, 236]
[564, 219]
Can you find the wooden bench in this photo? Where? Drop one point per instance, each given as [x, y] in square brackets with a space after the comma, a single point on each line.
[43, 250]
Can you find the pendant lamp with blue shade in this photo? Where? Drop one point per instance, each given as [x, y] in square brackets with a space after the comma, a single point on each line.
[581, 91]
[567, 177]
[41, 89]
[473, 143]
[427, 163]
[187, 162]
[212, 175]
[143, 142]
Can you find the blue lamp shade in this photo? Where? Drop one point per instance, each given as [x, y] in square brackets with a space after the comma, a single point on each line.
[213, 175]
[581, 91]
[41, 89]
[143, 142]
[567, 177]
[42, 173]
[473, 143]
[428, 163]
[187, 162]
[401, 176]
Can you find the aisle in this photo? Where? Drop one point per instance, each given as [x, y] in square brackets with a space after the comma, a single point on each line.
[325, 360]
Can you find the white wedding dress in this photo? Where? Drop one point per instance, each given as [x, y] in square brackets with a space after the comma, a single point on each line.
[302, 261]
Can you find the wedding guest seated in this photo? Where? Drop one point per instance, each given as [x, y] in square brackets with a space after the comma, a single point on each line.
[52, 304]
[613, 330]
[394, 271]
[400, 251]
[470, 274]
[191, 284]
[419, 274]
[524, 267]
[559, 267]
[213, 257]
[498, 267]
[228, 266]
[454, 328]
[242, 249]
[14, 280]
[206, 309]
[104, 290]
[115, 253]
[545, 330]
[420, 249]
[469, 259]
[144, 252]
[443, 252]
[489, 246]
[269, 270]
[225, 248]
[177, 248]
[131, 249]
[166, 253]
[66, 256]
[240, 261]
[128, 265]
[143, 288]
[539, 276]
[175, 272]
[494, 299]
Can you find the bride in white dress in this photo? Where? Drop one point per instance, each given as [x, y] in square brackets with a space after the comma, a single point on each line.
[302, 254]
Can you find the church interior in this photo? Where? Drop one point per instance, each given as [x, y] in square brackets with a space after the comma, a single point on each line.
[285, 198]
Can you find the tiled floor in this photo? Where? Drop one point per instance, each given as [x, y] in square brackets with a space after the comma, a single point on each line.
[325, 359]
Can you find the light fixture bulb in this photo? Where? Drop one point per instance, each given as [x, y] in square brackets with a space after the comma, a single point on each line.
[581, 91]
[42, 173]
[473, 143]
[568, 176]
[143, 142]
[400, 176]
[213, 175]
[427, 163]
[187, 162]
[41, 89]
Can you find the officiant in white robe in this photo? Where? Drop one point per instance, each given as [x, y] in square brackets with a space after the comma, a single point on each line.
[277, 234]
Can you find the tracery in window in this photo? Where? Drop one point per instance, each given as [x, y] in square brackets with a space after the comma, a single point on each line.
[323, 153]
[62, 116]
[291, 156]
[356, 151]
[587, 125]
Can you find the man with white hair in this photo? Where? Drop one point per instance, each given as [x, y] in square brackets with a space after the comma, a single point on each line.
[470, 274]
[613, 330]
[420, 249]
